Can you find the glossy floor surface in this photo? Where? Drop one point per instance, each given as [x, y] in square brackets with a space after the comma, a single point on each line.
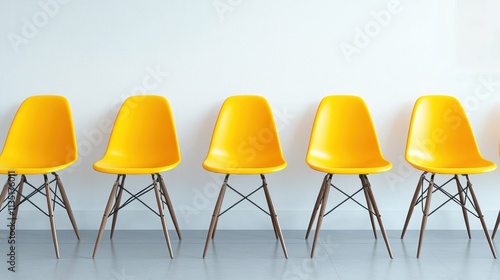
[446, 255]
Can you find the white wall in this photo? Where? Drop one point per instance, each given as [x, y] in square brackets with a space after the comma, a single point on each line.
[96, 53]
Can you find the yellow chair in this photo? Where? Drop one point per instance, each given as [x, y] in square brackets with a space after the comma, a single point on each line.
[344, 141]
[41, 140]
[143, 141]
[441, 141]
[245, 141]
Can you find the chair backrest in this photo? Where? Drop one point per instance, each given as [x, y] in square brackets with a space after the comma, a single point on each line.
[144, 133]
[343, 133]
[245, 134]
[42, 134]
[440, 133]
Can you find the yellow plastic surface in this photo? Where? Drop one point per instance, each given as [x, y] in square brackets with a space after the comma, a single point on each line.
[245, 140]
[143, 139]
[343, 139]
[41, 138]
[440, 138]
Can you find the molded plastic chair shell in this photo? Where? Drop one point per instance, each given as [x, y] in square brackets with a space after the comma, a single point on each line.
[41, 138]
[343, 138]
[143, 140]
[440, 138]
[245, 140]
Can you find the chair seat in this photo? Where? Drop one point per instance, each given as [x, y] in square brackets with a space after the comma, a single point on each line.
[29, 168]
[225, 166]
[370, 166]
[472, 166]
[124, 167]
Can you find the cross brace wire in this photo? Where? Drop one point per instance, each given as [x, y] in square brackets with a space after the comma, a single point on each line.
[137, 196]
[244, 197]
[451, 197]
[351, 197]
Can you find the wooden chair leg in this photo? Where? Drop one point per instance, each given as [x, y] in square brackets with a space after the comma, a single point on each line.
[481, 218]
[18, 199]
[118, 200]
[215, 225]
[322, 212]
[412, 204]
[377, 213]
[274, 216]
[67, 205]
[425, 215]
[107, 210]
[218, 215]
[275, 229]
[319, 200]
[3, 194]
[270, 206]
[215, 214]
[462, 203]
[496, 225]
[368, 204]
[51, 215]
[162, 216]
[169, 205]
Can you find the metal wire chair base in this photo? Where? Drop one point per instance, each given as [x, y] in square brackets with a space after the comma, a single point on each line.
[162, 199]
[217, 212]
[371, 207]
[461, 198]
[62, 200]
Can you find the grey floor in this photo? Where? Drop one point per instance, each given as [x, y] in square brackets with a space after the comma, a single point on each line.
[446, 255]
